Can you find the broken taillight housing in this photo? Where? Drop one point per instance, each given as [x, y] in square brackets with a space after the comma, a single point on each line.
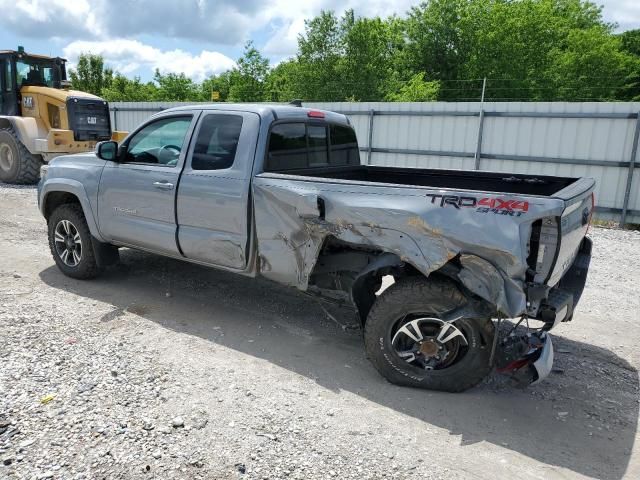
[544, 241]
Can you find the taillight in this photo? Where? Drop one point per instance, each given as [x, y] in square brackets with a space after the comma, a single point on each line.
[544, 243]
[315, 114]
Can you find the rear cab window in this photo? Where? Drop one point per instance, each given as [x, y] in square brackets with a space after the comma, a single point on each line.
[302, 145]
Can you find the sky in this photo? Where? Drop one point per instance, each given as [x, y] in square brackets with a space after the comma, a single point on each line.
[197, 37]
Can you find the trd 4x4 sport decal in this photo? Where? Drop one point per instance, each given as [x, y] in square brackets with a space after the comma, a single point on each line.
[498, 206]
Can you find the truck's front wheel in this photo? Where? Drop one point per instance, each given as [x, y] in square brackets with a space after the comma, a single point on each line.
[17, 164]
[413, 338]
[71, 244]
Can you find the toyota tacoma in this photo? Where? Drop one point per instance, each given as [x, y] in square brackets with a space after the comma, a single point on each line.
[279, 192]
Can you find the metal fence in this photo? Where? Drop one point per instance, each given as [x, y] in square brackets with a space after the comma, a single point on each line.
[598, 140]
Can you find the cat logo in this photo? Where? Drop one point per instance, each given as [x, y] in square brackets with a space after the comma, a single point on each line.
[27, 102]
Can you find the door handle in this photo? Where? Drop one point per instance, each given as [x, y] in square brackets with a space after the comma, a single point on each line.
[163, 185]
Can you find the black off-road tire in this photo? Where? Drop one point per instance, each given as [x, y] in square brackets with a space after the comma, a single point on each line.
[25, 168]
[420, 295]
[87, 268]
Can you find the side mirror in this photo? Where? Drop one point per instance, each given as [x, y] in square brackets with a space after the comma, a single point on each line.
[107, 150]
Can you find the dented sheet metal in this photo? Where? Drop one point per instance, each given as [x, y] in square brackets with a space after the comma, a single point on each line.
[294, 215]
[486, 281]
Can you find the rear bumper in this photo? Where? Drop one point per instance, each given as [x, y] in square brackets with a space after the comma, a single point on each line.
[563, 298]
[527, 359]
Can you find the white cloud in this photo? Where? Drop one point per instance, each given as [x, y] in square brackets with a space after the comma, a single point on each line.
[228, 22]
[284, 40]
[47, 18]
[219, 21]
[626, 13]
[112, 25]
[127, 56]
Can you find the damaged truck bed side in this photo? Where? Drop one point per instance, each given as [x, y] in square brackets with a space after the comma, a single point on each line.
[279, 191]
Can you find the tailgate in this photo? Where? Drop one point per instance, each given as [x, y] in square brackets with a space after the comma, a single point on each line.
[574, 223]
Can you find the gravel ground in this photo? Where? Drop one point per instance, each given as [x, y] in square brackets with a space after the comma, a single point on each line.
[161, 369]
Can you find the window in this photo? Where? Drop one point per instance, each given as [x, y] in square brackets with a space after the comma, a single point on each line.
[8, 76]
[299, 145]
[318, 148]
[344, 146]
[287, 147]
[159, 143]
[34, 74]
[54, 115]
[217, 142]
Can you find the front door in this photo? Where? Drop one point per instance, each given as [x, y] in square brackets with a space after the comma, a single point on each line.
[136, 203]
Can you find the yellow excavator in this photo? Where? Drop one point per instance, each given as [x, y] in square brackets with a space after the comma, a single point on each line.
[42, 118]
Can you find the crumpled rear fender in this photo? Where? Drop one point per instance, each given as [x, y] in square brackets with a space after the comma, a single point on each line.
[482, 278]
[291, 232]
[294, 218]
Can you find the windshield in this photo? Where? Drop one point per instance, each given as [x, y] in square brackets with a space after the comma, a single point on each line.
[30, 72]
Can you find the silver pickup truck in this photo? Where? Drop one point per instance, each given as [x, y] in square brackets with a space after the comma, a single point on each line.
[279, 191]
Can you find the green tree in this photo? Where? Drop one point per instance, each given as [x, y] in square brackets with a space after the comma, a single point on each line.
[527, 50]
[174, 87]
[370, 50]
[319, 52]
[247, 80]
[518, 45]
[347, 58]
[630, 42]
[282, 83]
[590, 66]
[417, 89]
[90, 74]
[123, 89]
[216, 83]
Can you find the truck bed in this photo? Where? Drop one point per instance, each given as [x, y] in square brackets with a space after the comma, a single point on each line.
[496, 182]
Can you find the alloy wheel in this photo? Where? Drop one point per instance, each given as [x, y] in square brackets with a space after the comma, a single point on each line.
[68, 243]
[428, 343]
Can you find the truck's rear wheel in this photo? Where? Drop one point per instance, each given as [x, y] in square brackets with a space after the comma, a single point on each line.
[411, 337]
[71, 243]
[17, 164]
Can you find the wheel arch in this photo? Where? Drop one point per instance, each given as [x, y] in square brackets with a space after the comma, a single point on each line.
[26, 129]
[58, 193]
[358, 271]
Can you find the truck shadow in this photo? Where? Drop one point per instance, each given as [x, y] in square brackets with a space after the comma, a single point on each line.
[583, 420]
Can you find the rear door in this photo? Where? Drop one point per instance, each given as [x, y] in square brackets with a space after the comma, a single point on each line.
[213, 196]
[136, 203]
